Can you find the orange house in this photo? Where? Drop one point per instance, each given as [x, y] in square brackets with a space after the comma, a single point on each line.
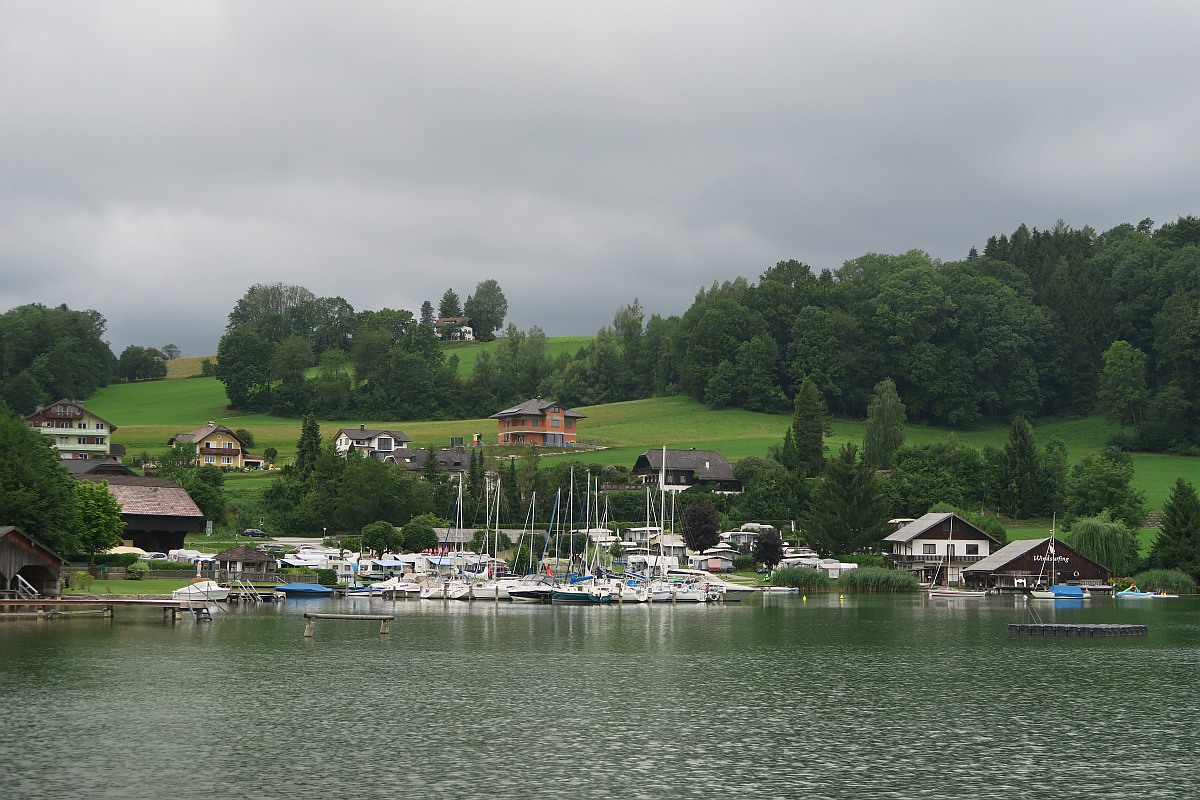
[537, 421]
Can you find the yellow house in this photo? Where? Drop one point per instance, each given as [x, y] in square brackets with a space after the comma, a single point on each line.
[218, 446]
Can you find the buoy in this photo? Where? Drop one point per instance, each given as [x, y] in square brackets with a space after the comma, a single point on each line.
[804, 597]
[841, 597]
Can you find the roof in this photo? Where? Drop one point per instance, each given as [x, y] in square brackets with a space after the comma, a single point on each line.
[84, 466]
[535, 406]
[451, 321]
[12, 530]
[203, 433]
[243, 553]
[67, 401]
[928, 522]
[452, 459]
[709, 465]
[369, 433]
[1010, 552]
[147, 496]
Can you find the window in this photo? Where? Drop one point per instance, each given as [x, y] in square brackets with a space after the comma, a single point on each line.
[972, 549]
[210, 459]
[928, 549]
[384, 443]
[227, 445]
[569, 423]
[81, 440]
[555, 422]
[99, 426]
[226, 460]
[81, 425]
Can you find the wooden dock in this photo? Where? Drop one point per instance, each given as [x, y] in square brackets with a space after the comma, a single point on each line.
[1086, 631]
[50, 606]
[385, 621]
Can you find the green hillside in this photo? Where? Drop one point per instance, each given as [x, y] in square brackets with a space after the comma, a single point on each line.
[467, 352]
[148, 414]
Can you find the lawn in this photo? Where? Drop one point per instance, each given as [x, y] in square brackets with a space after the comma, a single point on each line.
[143, 587]
[148, 414]
[468, 352]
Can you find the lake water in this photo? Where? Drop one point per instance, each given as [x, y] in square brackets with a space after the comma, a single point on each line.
[775, 697]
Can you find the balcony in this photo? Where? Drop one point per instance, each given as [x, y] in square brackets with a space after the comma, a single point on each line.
[83, 448]
[219, 451]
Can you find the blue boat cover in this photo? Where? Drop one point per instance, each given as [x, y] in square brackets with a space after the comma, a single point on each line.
[303, 588]
[1066, 590]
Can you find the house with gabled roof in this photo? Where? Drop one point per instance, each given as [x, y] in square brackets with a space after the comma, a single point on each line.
[218, 446]
[454, 329]
[547, 423]
[1037, 563]
[74, 432]
[158, 513]
[936, 547]
[382, 445]
[677, 470]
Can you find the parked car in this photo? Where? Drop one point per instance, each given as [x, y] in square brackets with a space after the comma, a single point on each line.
[254, 533]
[153, 556]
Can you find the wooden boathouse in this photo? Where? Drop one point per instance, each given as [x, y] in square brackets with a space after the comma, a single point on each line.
[1032, 563]
[27, 565]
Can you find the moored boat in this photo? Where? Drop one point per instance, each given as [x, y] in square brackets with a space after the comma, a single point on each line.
[297, 589]
[201, 591]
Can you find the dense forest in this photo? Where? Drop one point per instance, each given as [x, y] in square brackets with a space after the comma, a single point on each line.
[1041, 323]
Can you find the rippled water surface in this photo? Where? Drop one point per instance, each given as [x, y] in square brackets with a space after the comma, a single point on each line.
[775, 697]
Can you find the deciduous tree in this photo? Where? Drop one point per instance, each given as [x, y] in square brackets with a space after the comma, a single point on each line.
[701, 527]
[487, 308]
[100, 523]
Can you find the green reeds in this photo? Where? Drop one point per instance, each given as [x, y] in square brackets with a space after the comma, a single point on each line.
[810, 580]
[1171, 581]
[877, 580]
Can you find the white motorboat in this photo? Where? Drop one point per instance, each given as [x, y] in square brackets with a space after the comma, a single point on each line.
[201, 591]
[392, 588]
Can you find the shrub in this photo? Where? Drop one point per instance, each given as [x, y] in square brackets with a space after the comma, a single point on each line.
[80, 581]
[801, 578]
[326, 577]
[137, 570]
[744, 562]
[1165, 580]
[875, 580]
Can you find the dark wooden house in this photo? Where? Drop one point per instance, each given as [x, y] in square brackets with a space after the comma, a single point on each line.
[246, 564]
[676, 470]
[1033, 563]
[26, 562]
[158, 512]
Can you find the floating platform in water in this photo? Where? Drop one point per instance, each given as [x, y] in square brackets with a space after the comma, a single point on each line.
[1078, 630]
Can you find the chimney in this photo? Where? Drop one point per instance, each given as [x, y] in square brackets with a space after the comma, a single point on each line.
[362, 426]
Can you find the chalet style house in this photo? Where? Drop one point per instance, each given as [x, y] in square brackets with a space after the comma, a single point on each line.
[937, 547]
[1036, 563]
[454, 329]
[682, 469]
[218, 446]
[537, 421]
[381, 445]
[75, 432]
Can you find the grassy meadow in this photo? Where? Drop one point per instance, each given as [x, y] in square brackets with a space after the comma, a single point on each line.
[468, 352]
[148, 414]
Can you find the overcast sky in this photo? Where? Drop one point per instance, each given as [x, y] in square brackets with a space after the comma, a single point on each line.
[158, 158]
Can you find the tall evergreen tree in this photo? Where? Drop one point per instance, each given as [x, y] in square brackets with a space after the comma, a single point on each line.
[810, 426]
[450, 306]
[427, 314]
[1020, 493]
[850, 507]
[885, 426]
[1178, 543]
[308, 447]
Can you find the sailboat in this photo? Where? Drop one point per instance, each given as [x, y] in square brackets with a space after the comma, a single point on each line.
[1057, 591]
[452, 585]
[947, 590]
